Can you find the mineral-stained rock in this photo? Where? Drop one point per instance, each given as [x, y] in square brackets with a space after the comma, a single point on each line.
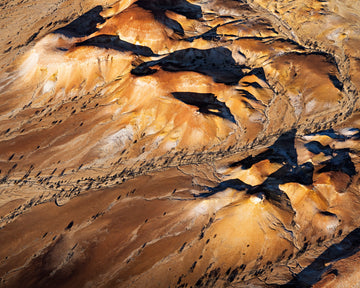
[175, 143]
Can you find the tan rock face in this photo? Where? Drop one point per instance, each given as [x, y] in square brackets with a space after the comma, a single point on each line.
[179, 143]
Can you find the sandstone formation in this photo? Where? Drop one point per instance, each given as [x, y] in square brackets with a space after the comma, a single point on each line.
[174, 143]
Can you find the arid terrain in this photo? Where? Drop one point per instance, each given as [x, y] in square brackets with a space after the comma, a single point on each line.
[175, 143]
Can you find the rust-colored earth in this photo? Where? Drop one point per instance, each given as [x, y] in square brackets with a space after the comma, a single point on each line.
[174, 143]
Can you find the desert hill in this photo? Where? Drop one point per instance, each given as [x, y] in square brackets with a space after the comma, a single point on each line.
[174, 143]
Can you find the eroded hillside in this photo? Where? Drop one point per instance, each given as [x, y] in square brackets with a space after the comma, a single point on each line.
[179, 143]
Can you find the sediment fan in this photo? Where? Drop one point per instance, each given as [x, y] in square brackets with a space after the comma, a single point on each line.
[175, 143]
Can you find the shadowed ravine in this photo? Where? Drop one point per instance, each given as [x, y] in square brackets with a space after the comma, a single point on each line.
[179, 143]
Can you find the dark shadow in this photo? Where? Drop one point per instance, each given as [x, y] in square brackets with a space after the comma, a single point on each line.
[317, 148]
[274, 195]
[84, 25]
[297, 46]
[253, 84]
[232, 183]
[282, 151]
[159, 7]
[355, 136]
[247, 94]
[330, 133]
[349, 246]
[182, 7]
[302, 174]
[258, 72]
[210, 35]
[114, 42]
[207, 104]
[340, 163]
[337, 83]
[340, 158]
[215, 62]
[161, 17]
